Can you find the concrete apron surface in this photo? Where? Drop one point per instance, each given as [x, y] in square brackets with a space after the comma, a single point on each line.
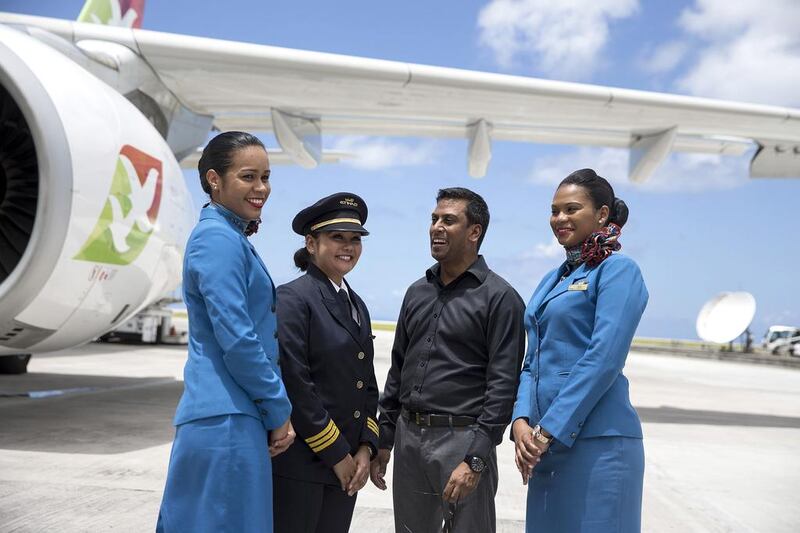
[85, 440]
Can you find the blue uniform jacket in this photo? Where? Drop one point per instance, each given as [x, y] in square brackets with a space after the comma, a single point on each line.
[233, 350]
[327, 363]
[579, 334]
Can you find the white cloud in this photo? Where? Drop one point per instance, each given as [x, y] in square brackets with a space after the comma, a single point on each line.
[610, 163]
[549, 250]
[665, 57]
[751, 50]
[563, 39]
[372, 153]
[681, 172]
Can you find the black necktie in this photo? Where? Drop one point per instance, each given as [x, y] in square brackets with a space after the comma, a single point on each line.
[348, 305]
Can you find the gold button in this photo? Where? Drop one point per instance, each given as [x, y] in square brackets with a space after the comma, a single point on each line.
[359, 384]
[361, 355]
[357, 414]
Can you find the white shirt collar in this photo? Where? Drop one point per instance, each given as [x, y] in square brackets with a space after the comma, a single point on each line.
[343, 286]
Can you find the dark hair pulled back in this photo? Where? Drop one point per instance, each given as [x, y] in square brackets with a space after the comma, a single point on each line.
[601, 192]
[218, 153]
[302, 257]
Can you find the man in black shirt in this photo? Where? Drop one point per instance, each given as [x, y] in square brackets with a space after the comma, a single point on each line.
[450, 391]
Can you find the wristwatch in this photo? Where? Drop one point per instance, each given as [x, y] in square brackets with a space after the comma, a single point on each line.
[475, 463]
[539, 436]
[372, 451]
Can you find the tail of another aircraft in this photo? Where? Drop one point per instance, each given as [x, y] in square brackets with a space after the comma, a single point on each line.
[126, 13]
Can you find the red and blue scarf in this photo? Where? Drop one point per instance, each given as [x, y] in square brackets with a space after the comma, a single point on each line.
[601, 244]
[595, 248]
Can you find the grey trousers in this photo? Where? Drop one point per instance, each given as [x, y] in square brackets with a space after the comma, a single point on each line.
[424, 458]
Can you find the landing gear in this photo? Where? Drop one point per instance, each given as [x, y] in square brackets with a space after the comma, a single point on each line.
[14, 364]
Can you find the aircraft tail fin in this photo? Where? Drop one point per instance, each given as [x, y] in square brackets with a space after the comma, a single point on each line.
[125, 13]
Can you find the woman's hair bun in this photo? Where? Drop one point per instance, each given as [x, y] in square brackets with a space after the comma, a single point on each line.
[619, 212]
[302, 259]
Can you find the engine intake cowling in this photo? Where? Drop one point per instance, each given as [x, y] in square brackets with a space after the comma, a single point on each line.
[94, 211]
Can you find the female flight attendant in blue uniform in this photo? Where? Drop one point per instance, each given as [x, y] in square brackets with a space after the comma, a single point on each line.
[326, 356]
[234, 412]
[575, 430]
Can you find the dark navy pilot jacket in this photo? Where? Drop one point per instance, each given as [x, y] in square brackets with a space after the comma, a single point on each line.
[579, 333]
[232, 366]
[327, 365]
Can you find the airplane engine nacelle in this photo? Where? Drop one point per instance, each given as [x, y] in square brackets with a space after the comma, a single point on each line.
[94, 212]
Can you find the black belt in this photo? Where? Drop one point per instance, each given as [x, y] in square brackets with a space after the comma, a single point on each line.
[437, 420]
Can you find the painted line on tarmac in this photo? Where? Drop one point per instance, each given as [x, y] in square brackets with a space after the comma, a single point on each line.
[56, 393]
[36, 394]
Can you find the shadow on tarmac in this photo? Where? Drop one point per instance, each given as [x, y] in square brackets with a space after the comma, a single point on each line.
[673, 415]
[118, 415]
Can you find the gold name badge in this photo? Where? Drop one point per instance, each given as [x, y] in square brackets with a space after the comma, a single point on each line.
[579, 286]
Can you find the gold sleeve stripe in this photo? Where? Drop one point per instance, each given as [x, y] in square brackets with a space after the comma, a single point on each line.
[324, 434]
[373, 426]
[321, 445]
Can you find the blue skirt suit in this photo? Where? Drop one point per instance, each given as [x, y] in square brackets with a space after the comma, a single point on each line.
[219, 476]
[579, 332]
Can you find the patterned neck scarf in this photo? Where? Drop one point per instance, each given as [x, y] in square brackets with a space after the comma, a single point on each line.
[601, 244]
[595, 248]
[252, 227]
[573, 255]
[248, 227]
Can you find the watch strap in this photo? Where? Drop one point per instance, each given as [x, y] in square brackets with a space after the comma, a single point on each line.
[539, 436]
[475, 463]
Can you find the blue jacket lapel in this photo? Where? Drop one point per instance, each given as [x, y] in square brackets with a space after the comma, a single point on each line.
[547, 286]
[561, 286]
[211, 212]
[266, 271]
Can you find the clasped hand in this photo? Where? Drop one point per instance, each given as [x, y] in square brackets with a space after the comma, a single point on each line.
[353, 472]
[528, 452]
[281, 438]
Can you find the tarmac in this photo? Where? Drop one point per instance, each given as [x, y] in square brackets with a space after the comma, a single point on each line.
[85, 438]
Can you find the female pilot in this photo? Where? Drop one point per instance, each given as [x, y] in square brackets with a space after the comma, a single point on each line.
[326, 356]
[219, 475]
[575, 430]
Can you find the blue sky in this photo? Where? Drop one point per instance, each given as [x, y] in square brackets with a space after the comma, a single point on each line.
[698, 228]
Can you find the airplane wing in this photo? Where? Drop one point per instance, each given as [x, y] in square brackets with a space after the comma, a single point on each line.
[276, 157]
[299, 95]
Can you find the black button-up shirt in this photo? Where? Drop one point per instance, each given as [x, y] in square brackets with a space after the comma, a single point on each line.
[457, 350]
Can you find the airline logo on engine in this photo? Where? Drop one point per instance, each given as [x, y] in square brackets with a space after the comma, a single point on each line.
[129, 214]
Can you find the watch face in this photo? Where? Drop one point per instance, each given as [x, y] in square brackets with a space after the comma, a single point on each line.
[476, 464]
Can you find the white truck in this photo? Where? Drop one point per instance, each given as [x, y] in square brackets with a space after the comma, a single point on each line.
[782, 340]
[154, 325]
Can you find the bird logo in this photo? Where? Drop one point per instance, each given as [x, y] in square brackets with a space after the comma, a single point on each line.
[129, 215]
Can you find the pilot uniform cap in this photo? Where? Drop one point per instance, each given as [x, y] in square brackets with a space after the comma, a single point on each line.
[343, 211]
